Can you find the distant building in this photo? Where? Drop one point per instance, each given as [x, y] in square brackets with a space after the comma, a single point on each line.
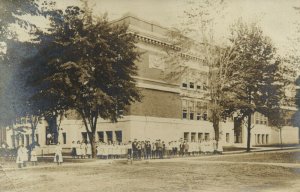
[170, 110]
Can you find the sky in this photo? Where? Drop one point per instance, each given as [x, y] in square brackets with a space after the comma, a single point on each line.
[276, 17]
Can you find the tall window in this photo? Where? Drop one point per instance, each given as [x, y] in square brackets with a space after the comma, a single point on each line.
[227, 137]
[64, 138]
[84, 136]
[206, 136]
[200, 136]
[101, 136]
[193, 137]
[109, 136]
[191, 109]
[186, 136]
[184, 109]
[118, 136]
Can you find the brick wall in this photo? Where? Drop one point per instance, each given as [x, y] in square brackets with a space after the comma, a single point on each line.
[157, 104]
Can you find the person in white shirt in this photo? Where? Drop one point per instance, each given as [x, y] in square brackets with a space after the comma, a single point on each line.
[58, 158]
[19, 159]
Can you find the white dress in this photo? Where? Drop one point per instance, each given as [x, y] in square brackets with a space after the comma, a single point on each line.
[24, 154]
[78, 150]
[88, 149]
[19, 155]
[58, 154]
[33, 157]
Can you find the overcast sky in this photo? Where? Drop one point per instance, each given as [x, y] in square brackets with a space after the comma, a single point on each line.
[276, 17]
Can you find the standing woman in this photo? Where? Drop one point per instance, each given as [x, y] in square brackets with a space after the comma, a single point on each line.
[58, 158]
[83, 149]
[89, 150]
[73, 149]
[19, 159]
[78, 150]
[25, 155]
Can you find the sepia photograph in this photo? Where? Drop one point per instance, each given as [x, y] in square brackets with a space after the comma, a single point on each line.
[149, 95]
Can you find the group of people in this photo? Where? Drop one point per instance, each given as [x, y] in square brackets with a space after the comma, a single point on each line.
[136, 150]
[160, 149]
[24, 155]
[81, 149]
[154, 150]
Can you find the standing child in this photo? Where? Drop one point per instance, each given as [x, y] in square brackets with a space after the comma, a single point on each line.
[33, 157]
[58, 158]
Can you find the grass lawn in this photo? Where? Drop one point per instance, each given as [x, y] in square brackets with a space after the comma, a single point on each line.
[216, 173]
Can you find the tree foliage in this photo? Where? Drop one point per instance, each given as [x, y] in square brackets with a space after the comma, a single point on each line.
[260, 82]
[85, 64]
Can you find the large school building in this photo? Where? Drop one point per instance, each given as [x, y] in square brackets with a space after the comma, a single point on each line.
[170, 109]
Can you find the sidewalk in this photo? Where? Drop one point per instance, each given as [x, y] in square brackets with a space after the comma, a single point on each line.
[69, 161]
[261, 149]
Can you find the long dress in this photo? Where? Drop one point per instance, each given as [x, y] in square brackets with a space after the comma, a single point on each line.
[58, 158]
[89, 149]
[24, 154]
[19, 156]
[33, 157]
[78, 150]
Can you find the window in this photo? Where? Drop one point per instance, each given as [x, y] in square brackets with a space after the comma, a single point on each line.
[184, 85]
[109, 136]
[191, 115]
[198, 87]
[184, 114]
[227, 137]
[198, 116]
[37, 138]
[193, 137]
[186, 136]
[27, 139]
[184, 109]
[22, 139]
[200, 136]
[101, 136]
[64, 138]
[191, 110]
[258, 138]
[84, 136]
[192, 85]
[206, 136]
[118, 136]
[267, 139]
[205, 116]
[263, 139]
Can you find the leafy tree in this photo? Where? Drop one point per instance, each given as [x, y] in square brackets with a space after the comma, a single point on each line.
[86, 64]
[200, 20]
[258, 70]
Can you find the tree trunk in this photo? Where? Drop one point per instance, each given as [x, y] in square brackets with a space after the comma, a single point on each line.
[14, 138]
[32, 137]
[249, 133]
[216, 129]
[93, 145]
[280, 133]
